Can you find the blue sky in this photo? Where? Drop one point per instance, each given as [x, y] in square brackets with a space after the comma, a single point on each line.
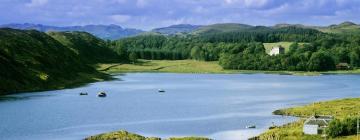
[148, 14]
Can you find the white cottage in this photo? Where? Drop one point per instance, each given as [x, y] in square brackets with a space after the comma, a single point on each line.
[315, 125]
[277, 50]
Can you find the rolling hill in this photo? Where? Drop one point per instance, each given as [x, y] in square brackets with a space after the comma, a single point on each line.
[111, 32]
[224, 27]
[343, 28]
[175, 29]
[87, 47]
[31, 60]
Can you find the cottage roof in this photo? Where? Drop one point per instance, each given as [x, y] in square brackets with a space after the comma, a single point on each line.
[319, 120]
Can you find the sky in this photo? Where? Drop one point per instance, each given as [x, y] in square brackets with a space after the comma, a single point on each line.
[148, 14]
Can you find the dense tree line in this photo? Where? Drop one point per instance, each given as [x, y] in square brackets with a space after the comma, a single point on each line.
[320, 55]
[243, 50]
[265, 34]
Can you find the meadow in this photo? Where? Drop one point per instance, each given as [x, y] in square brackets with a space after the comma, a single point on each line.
[194, 66]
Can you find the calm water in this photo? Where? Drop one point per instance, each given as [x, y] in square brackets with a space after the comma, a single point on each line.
[213, 105]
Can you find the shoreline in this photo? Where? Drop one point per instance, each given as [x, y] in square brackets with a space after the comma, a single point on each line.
[85, 79]
[339, 108]
[201, 67]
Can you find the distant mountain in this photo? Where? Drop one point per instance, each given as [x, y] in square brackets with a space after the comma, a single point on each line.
[347, 23]
[223, 27]
[111, 32]
[345, 28]
[175, 29]
[290, 25]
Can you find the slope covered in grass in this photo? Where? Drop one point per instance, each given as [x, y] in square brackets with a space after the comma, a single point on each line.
[87, 47]
[343, 28]
[32, 60]
[224, 27]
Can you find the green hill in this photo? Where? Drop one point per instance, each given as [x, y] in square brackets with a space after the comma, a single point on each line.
[342, 28]
[32, 60]
[176, 29]
[224, 27]
[86, 46]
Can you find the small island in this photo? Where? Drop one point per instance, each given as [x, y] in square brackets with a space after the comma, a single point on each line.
[124, 135]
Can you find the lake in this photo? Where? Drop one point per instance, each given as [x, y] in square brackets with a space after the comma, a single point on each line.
[218, 106]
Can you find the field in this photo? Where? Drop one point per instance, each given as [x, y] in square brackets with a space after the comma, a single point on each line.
[337, 108]
[193, 66]
[178, 66]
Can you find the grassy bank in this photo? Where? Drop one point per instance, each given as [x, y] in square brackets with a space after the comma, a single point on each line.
[80, 80]
[123, 135]
[193, 66]
[337, 108]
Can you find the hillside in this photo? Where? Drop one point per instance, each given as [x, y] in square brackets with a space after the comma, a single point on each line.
[224, 27]
[111, 32]
[87, 47]
[175, 29]
[343, 28]
[32, 60]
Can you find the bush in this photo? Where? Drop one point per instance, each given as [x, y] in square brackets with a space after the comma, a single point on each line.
[344, 127]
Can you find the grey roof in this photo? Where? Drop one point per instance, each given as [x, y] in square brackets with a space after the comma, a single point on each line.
[319, 120]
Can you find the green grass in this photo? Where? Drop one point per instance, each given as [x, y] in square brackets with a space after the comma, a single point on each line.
[350, 29]
[189, 138]
[193, 66]
[178, 66]
[124, 135]
[337, 108]
[120, 135]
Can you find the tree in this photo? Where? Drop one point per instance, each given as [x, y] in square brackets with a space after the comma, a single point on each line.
[354, 59]
[321, 61]
[133, 57]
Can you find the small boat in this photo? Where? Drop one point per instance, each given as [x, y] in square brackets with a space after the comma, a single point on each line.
[161, 90]
[250, 126]
[101, 94]
[83, 93]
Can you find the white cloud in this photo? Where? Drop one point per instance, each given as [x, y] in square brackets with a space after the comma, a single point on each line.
[121, 1]
[35, 3]
[200, 10]
[120, 18]
[141, 3]
[229, 1]
[255, 3]
[248, 3]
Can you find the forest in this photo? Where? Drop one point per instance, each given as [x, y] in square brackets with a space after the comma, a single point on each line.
[244, 49]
